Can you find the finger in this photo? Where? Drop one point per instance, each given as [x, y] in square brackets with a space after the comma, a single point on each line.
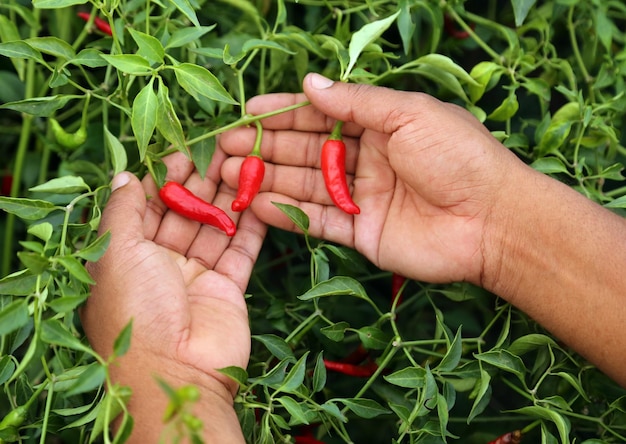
[325, 221]
[286, 147]
[373, 107]
[239, 258]
[123, 218]
[306, 118]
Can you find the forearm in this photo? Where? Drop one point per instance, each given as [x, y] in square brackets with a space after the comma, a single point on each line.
[149, 402]
[560, 258]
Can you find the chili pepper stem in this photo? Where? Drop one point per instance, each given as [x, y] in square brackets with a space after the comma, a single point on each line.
[336, 132]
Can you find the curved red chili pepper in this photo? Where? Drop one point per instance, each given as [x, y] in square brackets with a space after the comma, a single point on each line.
[102, 25]
[7, 184]
[182, 201]
[334, 171]
[453, 31]
[396, 285]
[359, 371]
[514, 437]
[306, 439]
[250, 179]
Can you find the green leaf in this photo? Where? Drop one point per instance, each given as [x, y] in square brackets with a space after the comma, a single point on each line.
[96, 249]
[202, 153]
[13, 316]
[530, 342]
[144, 117]
[53, 46]
[42, 230]
[520, 10]
[335, 332]
[20, 283]
[562, 423]
[35, 262]
[149, 47]
[28, 209]
[364, 408]
[62, 185]
[237, 374]
[296, 215]
[91, 377]
[406, 25]
[364, 36]
[550, 165]
[453, 355]
[409, 377]
[507, 109]
[56, 4]
[53, 332]
[89, 57]
[117, 151]
[185, 7]
[319, 374]
[39, 106]
[251, 44]
[167, 120]
[75, 268]
[295, 409]
[336, 286]
[482, 394]
[276, 346]
[295, 377]
[20, 50]
[184, 36]
[122, 342]
[7, 366]
[446, 64]
[373, 338]
[199, 81]
[129, 63]
[504, 360]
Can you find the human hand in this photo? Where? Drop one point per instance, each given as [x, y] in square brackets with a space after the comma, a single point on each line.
[182, 283]
[426, 175]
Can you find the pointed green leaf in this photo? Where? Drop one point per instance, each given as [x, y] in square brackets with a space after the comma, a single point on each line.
[117, 151]
[39, 106]
[54, 332]
[28, 209]
[167, 121]
[184, 36]
[75, 268]
[453, 355]
[409, 377]
[13, 316]
[62, 185]
[364, 36]
[199, 81]
[276, 346]
[336, 286]
[129, 63]
[237, 374]
[144, 117]
[364, 408]
[53, 46]
[297, 216]
[96, 249]
[295, 409]
[149, 47]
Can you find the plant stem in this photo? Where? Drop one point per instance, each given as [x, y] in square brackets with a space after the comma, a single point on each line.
[22, 147]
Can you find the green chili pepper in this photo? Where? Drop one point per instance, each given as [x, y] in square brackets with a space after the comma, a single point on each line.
[14, 418]
[68, 140]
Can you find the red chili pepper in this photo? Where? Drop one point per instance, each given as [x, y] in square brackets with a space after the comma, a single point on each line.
[250, 179]
[334, 171]
[305, 439]
[357, 356]
[453, 31]
[182, 201]
[397, 281]
[359, 371]
[514, 437]
[7, 183]
[102, 25]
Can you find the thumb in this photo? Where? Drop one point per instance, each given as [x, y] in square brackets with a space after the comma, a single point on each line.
[373, 107]
[124, 212]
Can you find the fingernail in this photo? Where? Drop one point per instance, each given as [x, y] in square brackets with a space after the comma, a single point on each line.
[120, 180]
[320, 82]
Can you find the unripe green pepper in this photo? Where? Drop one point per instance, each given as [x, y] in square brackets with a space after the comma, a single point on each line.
[14, 418]
[68, 140]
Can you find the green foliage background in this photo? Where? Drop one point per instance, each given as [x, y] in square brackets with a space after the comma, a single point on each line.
[455, 363]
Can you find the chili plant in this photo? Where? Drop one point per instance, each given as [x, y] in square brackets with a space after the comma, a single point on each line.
[92, 88]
